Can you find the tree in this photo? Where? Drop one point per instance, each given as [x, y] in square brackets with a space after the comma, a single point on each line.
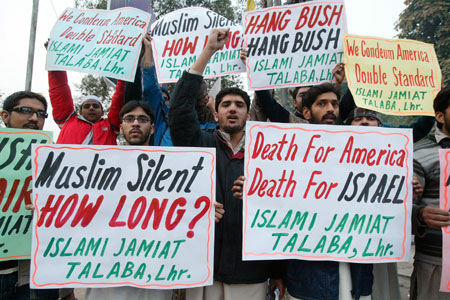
[429, 22]
[91, 4]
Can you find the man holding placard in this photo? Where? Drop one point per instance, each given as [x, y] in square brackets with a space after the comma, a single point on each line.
[233, 278]
[22, 110]
[428, 218]
[87, 127]
[321, 106]
[136, 126]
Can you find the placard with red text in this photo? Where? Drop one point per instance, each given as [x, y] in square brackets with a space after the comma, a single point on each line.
[180, 36]
[294, 45]
[444, 158]
[396, 77]
[101, 42]
[322, 192]
[16, 190]
[113, 216]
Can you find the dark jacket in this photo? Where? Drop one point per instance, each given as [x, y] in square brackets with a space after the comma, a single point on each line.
[185, 131]
[274, 111]
[319, 280]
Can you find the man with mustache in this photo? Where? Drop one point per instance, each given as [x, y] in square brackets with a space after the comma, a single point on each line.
[136, 126]
[89, 126]
[233, 278]
[321, 106]
[22, 110]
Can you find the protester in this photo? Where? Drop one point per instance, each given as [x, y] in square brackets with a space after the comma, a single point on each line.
[233, 278]
[136, 126]
[385, 276]
[205, 109]
[23, 110]
[88, 127]
[427, 217]
[421, 127]
[155, 97]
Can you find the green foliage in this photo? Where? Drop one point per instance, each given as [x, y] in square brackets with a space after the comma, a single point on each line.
[428, 21]
[91, 4]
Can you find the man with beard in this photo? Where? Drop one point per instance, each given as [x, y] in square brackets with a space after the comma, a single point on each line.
[22, 110]
[321, 106]
[136, 126]
[427, 218]
[233, 278]
[136, 123]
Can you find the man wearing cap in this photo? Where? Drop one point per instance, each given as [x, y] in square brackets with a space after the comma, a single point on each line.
[363, 117]
[88, 127]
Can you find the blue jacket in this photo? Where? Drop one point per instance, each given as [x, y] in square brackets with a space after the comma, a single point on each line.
[153, 96]
[317, 280]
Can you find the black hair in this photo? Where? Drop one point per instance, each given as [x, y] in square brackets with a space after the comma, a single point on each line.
[131, 105]
[294, 92]
[232, 91]
[310, 96]
[441, 102]
[13, 100]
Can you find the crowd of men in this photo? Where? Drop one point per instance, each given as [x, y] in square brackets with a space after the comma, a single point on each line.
[153, 117]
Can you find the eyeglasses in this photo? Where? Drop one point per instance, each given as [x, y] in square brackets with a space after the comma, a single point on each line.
[88, 105]
[29, 111]
[140, 119]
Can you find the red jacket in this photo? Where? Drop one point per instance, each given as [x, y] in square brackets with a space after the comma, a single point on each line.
[75, 130]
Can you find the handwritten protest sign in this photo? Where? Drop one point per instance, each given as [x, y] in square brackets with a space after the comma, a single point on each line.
[113, 216]
[319, 192]
[102, 42]
[444, 158]
[180, 36]
[397, 77]
[15, 190]
[294, 45]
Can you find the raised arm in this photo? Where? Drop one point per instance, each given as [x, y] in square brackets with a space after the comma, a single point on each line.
[117, 101]
[152, 92]
[183, 120]
[60, 96]
[274, 111]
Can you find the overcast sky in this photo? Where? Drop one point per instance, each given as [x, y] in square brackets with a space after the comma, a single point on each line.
[364, 17]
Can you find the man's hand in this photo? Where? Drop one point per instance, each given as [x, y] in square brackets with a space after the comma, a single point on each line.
[217, 39]
[277, 283]
[238, 187]
[417, 188]
[209, 102]
[46, 44]
[219, 211]
[148, 55]
[339, 73]
[434, 217]
[243, 55]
